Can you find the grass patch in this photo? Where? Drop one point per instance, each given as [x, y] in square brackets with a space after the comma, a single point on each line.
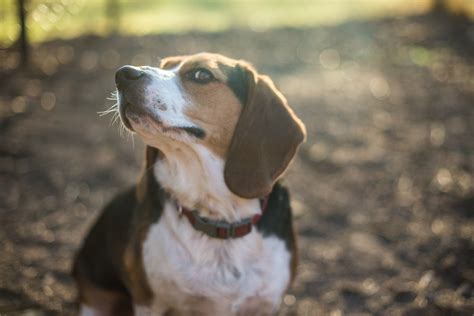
[70, 18]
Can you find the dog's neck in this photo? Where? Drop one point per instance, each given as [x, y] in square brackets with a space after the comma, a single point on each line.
[194, 177]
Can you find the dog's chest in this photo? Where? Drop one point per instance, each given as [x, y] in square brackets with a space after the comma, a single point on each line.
[189, 271]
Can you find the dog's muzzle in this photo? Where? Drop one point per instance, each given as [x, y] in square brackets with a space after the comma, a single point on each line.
[128, 79]
[127, 75]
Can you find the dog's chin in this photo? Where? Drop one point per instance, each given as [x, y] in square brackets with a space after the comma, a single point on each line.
[148, 124]
[124, 118]
[137, 120]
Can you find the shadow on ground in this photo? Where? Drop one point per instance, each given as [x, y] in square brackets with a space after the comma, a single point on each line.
[383, 188]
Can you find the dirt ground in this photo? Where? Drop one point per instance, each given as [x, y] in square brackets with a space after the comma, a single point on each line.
[383, 189]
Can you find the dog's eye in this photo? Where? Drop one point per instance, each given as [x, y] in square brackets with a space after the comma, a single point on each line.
[200, 75]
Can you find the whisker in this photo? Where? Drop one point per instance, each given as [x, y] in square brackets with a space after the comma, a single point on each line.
[113, 108]
[121, 130]
[127, 131]
[113, 96]
[114, 119]
[103, 113]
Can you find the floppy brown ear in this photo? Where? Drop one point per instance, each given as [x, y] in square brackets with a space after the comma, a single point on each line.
[151, 155]
[265, 140]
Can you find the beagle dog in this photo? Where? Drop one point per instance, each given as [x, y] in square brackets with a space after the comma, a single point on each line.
[208, 229]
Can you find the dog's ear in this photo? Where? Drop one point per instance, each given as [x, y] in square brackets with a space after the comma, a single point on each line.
[171, 62]
[265, 140]
[151, 155]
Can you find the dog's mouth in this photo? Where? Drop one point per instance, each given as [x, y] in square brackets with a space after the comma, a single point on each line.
[132, 115]
[123, 116]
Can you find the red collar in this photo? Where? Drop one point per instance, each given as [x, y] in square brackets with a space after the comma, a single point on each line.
[223, 229]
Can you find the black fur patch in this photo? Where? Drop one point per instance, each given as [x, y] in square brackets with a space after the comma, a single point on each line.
[238, 81]
[195, 131]
[99, 260]
[277, 219]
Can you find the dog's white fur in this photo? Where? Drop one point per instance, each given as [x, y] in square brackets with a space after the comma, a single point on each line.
[181, 262]
[195, 177]
[184, 266]
[187, 270]
[164, 96]
[189, 171]
[165, 99]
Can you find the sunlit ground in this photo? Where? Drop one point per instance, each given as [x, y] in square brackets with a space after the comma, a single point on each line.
[69, 18]
[382, 191]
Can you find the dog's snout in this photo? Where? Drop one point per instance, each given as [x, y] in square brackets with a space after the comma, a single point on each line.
[128, 73]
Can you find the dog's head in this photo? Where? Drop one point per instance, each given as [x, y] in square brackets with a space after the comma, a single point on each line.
[217, 102]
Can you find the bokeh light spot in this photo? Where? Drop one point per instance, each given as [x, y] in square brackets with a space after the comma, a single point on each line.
[89, 60]
[420, 56]
[48, 101]
[465, 182]
[65, 54]
[330, 59]
[438, 226]
[318, 152]
[298, 207]
[110, 59]
[33, 88]
[141, 60]
[49, 65]
[379, 88]
[11, 61]
[289, 300]
[18, 105]
[444, 180]
[437, 134]
[370, 287]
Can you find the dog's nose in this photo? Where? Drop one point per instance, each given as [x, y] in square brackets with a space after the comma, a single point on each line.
[128, 73]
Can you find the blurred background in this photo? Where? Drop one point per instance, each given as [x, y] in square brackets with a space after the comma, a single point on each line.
[382, 190]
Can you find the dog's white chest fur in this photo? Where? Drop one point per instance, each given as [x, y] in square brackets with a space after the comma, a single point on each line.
[192, 273]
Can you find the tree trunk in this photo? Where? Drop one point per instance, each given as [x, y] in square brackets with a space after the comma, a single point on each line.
[113, 15]
[439, 6]
[23, 38]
